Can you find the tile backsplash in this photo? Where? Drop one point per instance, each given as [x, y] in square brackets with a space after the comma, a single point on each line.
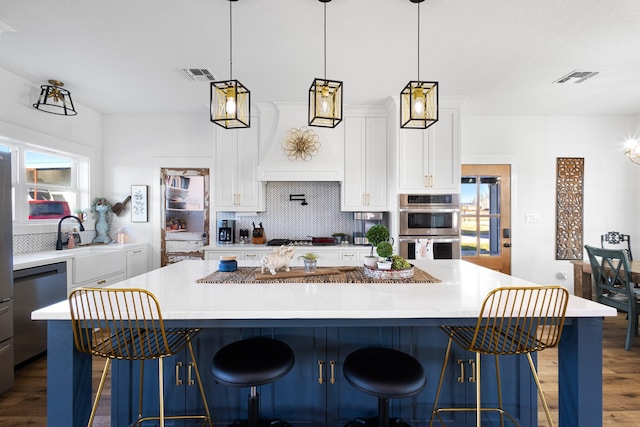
[38, 242]
[320, 217]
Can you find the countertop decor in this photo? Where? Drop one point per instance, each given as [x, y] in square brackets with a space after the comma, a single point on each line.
[345, 275]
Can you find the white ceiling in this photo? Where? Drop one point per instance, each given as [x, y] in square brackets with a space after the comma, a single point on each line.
[502, 56]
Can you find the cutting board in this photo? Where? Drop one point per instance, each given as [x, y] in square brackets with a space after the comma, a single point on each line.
[322, 271]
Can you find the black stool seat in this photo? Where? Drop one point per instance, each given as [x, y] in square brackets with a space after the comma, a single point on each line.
[384, 372]
[387, 374]
[252, 362]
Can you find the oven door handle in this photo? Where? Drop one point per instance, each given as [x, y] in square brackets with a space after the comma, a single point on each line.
[428, 210]
[438, 239]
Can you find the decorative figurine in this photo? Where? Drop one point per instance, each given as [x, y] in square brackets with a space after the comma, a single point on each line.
[279, 258]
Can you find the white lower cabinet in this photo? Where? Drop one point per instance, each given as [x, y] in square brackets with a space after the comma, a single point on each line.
[137, 261]
[325, 253]
[100, 268]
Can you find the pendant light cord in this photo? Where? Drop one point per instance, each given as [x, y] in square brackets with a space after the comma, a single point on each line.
[418, 41]
[325, 41]
[230, 40]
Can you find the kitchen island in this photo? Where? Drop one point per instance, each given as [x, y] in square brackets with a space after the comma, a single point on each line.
[323, 322]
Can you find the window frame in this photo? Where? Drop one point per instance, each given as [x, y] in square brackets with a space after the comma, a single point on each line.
[80, 174]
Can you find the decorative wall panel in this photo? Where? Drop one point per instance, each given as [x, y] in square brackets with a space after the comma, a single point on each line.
[569, 207]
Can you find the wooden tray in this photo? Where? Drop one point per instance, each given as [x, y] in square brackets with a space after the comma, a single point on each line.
[321, 271]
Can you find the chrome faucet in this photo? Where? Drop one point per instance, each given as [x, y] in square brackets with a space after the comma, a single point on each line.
[59, 243]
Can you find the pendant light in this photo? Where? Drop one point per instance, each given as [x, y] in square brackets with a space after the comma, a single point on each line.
[325, 96]
[633, 151]
[419, 99]
[55, 100]
[230, 99]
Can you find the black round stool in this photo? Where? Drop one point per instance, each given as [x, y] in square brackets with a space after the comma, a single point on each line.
[387, 374]
[250, 363]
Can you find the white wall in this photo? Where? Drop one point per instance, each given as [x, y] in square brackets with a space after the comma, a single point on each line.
[134, 145]
[19, 121]
[531, 145]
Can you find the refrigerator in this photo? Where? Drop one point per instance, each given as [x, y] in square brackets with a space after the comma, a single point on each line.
[6, 274]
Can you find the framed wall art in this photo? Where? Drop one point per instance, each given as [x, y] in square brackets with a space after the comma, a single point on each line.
[139, 208]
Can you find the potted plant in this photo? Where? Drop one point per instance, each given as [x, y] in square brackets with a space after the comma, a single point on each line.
[376, 234]
[340, 237]
[384, 250]
[310, 261]
[80, 214]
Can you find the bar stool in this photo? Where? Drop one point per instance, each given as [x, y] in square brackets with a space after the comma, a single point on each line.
[387, 374]
[250, 363]
[512, 321]
[126, 324]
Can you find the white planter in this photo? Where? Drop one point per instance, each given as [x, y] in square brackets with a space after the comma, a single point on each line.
[371, 261]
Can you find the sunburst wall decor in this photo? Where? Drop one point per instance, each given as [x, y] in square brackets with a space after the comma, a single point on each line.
[301, 144]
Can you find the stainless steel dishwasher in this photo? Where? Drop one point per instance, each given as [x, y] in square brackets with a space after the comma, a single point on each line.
[35, 288]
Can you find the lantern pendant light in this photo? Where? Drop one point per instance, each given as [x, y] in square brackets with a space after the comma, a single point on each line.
[419, 99]
[55, 100]
[230, 100]
[325, 96]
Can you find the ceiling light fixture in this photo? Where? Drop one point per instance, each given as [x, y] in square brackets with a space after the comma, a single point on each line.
[325, 96]
[230, 103]
[419, 99]
[633, 151]
[55, 100]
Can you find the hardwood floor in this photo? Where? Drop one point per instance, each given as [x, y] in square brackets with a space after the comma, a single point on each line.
[25, 403]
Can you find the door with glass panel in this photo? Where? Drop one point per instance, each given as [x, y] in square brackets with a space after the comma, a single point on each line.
[485, 207]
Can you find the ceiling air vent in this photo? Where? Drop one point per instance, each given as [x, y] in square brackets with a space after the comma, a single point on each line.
[576, 76]
[199, 74]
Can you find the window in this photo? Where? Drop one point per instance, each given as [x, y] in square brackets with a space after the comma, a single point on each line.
[46, 183]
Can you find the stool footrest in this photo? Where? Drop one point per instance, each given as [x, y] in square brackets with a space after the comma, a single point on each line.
[374, 421]
[262, 422]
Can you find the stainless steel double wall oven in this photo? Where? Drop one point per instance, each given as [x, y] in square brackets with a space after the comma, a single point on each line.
[435, 217]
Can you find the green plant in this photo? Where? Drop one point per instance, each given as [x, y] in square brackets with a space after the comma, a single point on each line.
[399, 263]
[384, 249]
[309, 256]
[376, 234]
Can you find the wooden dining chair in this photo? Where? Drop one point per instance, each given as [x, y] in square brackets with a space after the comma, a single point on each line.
[512, 321]
[126, 324]
[611, 278]
[616, 240]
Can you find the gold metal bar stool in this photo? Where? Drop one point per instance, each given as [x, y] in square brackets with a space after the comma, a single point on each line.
[126, 324]
[512, 321]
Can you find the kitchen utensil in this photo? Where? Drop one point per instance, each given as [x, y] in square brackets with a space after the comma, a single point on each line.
[118, 208]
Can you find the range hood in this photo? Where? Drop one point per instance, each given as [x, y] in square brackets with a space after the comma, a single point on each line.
[274, 165]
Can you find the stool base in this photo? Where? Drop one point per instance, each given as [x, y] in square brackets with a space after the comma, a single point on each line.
[374, 421]
[262, 422]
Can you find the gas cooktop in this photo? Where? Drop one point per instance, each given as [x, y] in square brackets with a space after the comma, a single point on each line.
[280, 242]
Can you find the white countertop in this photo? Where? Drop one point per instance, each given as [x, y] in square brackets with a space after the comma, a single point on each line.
[463, 287]
[35, 259]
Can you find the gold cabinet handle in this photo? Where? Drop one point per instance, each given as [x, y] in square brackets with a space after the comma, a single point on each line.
[332, 365]
[461, 364]
[472, 378]
[189, 379]
[320, 373]
[250, 255]
[178, 380]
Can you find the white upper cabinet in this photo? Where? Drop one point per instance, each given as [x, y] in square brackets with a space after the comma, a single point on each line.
[429, 160]
[364, 187]
[236, 183]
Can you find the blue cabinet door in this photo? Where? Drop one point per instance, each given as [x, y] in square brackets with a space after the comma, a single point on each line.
[429, 346]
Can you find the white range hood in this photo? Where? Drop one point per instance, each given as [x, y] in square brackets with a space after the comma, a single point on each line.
[274, 165]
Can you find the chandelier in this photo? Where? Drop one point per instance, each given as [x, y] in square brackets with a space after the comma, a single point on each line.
[55, 100]
[419, 99]
[325, 96]
[230, 101]
[633, 151]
